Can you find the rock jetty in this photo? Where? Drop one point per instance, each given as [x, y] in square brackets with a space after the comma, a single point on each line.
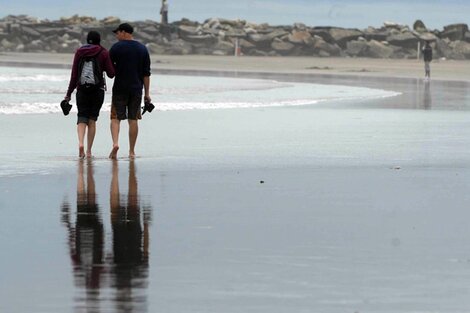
[217, 36]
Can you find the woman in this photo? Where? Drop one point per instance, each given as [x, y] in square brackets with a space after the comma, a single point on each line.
[89, 64]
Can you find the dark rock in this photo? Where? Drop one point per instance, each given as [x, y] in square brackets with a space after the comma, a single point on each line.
[454, 32]
[30, 32]
[379, 50]
[376, 34]
[461, 50]
[403, 40]
[357, 48]
[299, 37]
[282, 47]
[419, 26]
[343, 35]
[324, 34]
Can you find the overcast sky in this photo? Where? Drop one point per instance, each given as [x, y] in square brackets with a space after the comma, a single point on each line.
[343, 13]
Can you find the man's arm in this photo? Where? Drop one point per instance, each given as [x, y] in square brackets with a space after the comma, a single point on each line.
[147, 88]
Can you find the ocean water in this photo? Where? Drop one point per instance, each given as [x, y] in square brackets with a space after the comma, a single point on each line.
[30, 90]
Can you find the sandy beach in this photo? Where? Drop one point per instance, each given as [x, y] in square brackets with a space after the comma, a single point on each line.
[441, 69]
[343, 206]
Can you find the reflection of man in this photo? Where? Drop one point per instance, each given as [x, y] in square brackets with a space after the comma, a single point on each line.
[427, 96]
[86, 238]
[130, 238]
[125, 267]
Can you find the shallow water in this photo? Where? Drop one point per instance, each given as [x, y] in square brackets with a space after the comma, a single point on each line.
[342, 206]
[129, 237]
[31, 90]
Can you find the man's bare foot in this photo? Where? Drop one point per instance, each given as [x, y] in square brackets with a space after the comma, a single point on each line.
[131, 155]
[113, 154]
[81, 152]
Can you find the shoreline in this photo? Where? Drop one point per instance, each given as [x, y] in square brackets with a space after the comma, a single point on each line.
[448, 70]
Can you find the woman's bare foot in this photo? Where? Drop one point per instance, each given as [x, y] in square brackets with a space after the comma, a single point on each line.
[89, 155]
[113, 154]
[81, 152]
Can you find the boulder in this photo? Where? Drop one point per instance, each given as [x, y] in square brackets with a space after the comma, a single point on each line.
[246, 45]
[201, 39]
[461, 50]
[419, 26]
[151, 30]
[30, 32]
[282, 47]
[184, 31]
[299, 37]
[276, 34]
[330, 49]
[357, 48]
[111, 20]
[343, 35]
[49, 31]
[403, 40]
[7, 45]
[226, 47]
[20, 48]
[427, 37]
[154, 48]
[377, 49]
[179, 47]
[235, 32]
[454, 32]
[376, 34]
[323, 33]
[259, 40]
[443, 49]
[144, 37]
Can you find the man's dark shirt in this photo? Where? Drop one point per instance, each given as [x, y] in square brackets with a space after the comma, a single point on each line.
[132, 63]
[427, 53]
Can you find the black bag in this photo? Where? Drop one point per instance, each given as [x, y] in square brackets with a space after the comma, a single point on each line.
[90, 74]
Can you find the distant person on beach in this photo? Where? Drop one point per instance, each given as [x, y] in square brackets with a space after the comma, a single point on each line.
[427, 56]
[164, 12]
[132, 64]
[90, 58]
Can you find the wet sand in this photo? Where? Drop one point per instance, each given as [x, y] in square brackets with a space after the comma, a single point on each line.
[441, 69]
[341, 207]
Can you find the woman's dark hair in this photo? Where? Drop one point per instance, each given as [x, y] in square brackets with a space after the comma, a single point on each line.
[93, 38]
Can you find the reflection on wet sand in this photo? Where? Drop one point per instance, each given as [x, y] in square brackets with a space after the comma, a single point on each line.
[427, 99]
[121, 271]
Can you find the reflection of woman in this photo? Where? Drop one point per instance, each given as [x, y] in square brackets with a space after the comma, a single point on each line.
[87, 237]
[130, 237]
[125, 267]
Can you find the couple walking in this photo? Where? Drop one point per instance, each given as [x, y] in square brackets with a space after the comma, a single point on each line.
[129, 62]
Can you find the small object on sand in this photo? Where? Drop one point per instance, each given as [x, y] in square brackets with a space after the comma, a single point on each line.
[261, 181]
[397, 167]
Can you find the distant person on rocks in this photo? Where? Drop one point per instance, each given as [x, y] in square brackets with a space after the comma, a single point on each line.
[132, 64]
[427, 56]
[89, 63]
[164, 12]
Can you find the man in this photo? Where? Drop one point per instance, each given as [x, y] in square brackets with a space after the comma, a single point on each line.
[90, 94]
[132, 65]
[427, 56]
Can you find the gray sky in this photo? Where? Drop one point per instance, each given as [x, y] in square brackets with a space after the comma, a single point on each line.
[344, 13]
